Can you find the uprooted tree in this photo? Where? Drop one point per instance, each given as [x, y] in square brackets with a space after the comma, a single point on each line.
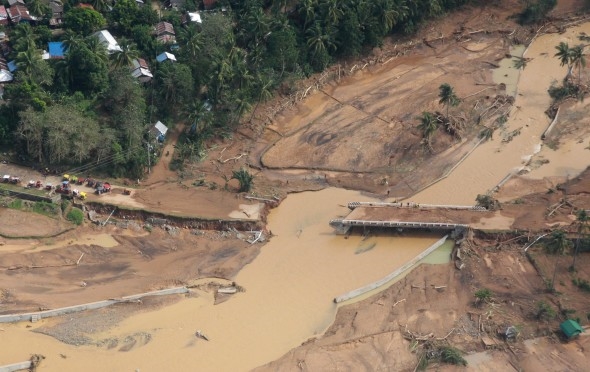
[487, 202]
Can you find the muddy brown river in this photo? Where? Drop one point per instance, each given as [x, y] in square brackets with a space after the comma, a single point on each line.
[291, 284]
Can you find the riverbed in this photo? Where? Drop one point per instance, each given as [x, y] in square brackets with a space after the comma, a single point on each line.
[289, 287]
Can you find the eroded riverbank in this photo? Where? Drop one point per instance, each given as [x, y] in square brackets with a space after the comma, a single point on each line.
[291, 284]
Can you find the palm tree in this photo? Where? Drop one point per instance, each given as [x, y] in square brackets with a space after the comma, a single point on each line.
[564, 56]
[127, 54]
[428, 125]
[558, 243]
[37, 8]
[198, 113]
[333, 12]
[582, 219]
[578, 59]
[27, 61]
[242, 104]
[264, 95]
[63, 70]
[318, 40]
[72, 40]
[100, 5]
[97, 47]
[168, 85]
[447, 96]
[520, 63]
[191, 40]
[257, 24]
[23, 37]
[222, 73]
[308, 11]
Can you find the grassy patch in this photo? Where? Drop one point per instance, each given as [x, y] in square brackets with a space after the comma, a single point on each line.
[16, 204]
[46, 209]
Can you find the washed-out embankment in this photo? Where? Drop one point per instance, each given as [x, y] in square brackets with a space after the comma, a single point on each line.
[190, 222]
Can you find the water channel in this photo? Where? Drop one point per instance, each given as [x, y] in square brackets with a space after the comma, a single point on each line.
[291, 284]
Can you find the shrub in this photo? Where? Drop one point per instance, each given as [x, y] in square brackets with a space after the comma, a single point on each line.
[452, 355]
[47, 209]
[559, 93]
[244, 178]
[483, 295]
[544, 311]
[536, 11]
[65, 204]
[76, 216]
[487, 202]
[583, 284]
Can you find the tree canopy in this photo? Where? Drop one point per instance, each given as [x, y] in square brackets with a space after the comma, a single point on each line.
[225, 67]
[84, 20]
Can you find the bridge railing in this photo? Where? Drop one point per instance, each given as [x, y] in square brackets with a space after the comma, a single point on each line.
[353, 205]
[414, 224]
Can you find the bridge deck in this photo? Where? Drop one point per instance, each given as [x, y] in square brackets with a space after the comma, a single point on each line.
[421, 215]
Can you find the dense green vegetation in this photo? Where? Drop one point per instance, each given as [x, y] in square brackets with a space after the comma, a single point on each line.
[76, 216]
[536, 10]
[87, 108]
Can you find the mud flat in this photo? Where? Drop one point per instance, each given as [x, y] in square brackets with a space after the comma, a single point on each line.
[288, 298]
[291, 284]
[495, 159]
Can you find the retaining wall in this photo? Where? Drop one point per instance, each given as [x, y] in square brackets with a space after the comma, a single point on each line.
[357, 292]
[12, 318]
[28, 196]
[16, 367]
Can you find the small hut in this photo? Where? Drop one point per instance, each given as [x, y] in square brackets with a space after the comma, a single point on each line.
[571, 328]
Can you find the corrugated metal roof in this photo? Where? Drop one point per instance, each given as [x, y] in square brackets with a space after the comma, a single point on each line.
[5, 76]
[161, 128]
[164, 56]
[108, 41]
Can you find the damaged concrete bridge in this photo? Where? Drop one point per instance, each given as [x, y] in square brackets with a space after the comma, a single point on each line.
[410, 216]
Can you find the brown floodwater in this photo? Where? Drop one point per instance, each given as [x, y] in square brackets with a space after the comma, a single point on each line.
[291, 284]
[494, 160]
[288, 298]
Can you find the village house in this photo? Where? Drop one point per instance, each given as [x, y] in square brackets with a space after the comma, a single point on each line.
[56, 49]
[159, 130]
[166, 57]
[16, 2]
[19, 13]
[191, 17]
[5, 74]
[141, 71]
[57, 16]
[3, 16]
[108, 41]
[165, 32]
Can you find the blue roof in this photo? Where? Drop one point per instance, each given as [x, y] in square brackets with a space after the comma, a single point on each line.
[57, 49]
[11, 66]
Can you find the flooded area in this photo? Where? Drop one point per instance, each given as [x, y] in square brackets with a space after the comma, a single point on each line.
[493, 160]
[288, 297]
[289, 287]
[507, 73]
